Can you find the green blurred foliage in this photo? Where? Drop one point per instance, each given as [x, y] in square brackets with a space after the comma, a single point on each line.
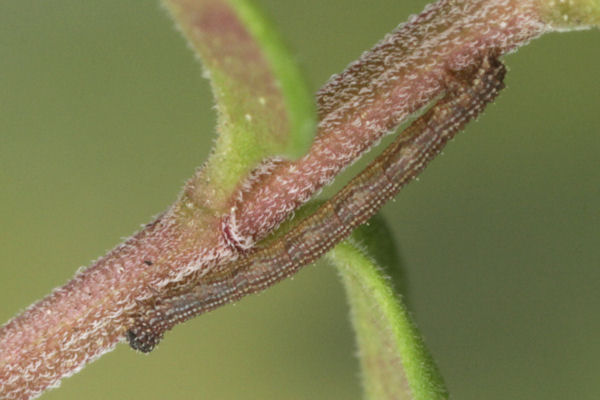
[104, 114]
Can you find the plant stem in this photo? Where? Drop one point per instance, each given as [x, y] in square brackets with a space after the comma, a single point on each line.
[396, 78]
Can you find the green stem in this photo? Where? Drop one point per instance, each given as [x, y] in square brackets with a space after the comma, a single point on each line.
[394, 361]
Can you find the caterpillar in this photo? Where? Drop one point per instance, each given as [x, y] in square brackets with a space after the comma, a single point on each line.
[467, 93]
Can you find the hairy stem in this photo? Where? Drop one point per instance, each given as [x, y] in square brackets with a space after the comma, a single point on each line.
[400, 75]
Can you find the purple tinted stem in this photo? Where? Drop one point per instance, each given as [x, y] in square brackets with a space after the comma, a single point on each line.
[396, 78]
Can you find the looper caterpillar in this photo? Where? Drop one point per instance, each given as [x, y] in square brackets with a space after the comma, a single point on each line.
[467, 92]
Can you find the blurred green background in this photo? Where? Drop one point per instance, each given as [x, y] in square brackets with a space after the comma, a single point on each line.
[104, 114]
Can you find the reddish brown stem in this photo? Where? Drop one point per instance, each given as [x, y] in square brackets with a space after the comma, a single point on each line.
[399, 76]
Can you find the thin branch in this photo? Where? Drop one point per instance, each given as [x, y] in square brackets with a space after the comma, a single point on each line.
[400, 75]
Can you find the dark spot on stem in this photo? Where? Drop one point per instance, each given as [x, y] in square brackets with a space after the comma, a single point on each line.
[148, 262]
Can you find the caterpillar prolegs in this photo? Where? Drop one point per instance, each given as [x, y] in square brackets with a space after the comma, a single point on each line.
[467, 94]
